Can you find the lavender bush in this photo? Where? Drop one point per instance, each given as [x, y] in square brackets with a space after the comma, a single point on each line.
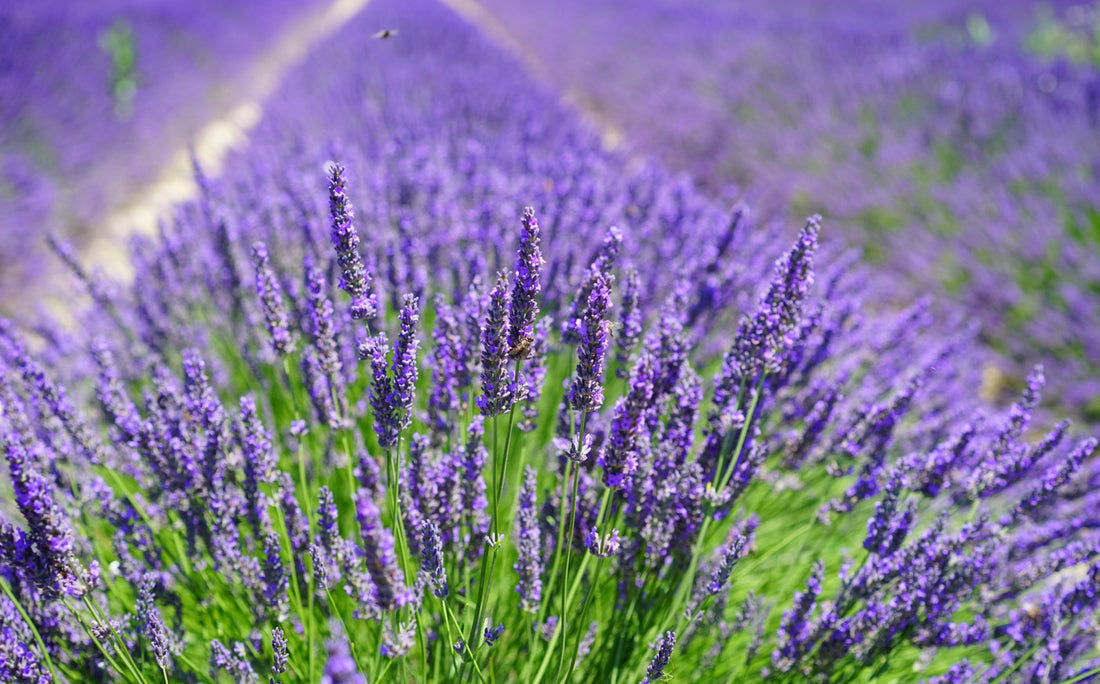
[924, 131]
[426, 388]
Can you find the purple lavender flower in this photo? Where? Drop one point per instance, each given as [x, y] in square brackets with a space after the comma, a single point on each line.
[404, 357]
[294, 519]
[586, 391]
[764, 337]
[50, 536]
[318, 557]
[111, 393]
[378, 551]
[1054, 478]
[321, 323]
[473, 504]
[431, 559]
[497, 389]
[340, 667]
[732, 552]
[534, 376]
[794, 628]
[271, 296]
[619, 456]
[328, 527]
[657, 666]
[491, 634]
[603, 545]
[393, 385]
[235, 663]
[887, 528]
[206, 411]
[588, 641]
[18, 661]
[530, 563]
[280, 654]
[524, 306]
[276, 579]
[152, 624]
[323, 333]
[601, 268]
[259, 462]
[355, 279]
[397, 642]
[449, 362]
[630, 324]
[383, 396]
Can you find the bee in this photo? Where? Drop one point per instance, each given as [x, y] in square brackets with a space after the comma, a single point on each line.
[386, 33]
[521, 348]
[1032, 611]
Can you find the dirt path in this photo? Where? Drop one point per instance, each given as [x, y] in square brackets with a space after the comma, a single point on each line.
[215, 140]
[506, 40]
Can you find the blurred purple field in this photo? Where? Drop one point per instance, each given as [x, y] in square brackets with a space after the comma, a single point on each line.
[96, 97]
[931, 135]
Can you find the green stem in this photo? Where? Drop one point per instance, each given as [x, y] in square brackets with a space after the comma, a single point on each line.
[589, 597]
[344, 625]
[744, 434]
[91, 634]
[94, 610]
[466, 646]
[562, 620]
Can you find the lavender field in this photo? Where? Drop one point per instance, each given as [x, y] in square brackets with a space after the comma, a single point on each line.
[599, 341]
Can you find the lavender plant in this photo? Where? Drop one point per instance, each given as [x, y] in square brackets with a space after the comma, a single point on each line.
[244, 478]
[923, 131]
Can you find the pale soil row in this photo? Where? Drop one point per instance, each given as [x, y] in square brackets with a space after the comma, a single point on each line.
[506, 40]
[213, 141]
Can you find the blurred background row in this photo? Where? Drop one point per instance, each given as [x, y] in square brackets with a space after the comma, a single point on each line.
[956, 145]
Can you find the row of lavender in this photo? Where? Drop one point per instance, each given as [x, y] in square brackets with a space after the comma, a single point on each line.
[361, 414]
[95, 96]
[952, 160]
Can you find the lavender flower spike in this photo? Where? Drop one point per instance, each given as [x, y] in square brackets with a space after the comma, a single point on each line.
[887, 528]
[152, 624]
[660, 661]
[280, 651]
[276, 579]
[497, 388]
[391, 396]
[49, 532]
[530, 564]
[586, 391]
[355, 281]
[619, 457]
[404, 359]
[630, 319]
[379, 552]
[340, 667]
[764, 338]
[271, 297]
[431, 560]
[526, 286]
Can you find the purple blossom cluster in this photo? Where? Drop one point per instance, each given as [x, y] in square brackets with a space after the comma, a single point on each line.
[790, 481]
